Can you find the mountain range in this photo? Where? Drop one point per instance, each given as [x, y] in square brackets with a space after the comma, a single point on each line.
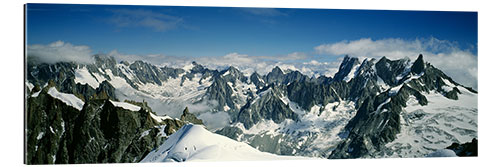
[130, 112]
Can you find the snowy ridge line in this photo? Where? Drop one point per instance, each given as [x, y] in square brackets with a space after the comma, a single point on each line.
[159, 118]
[69, 99]
[29, 85]
[125, 105]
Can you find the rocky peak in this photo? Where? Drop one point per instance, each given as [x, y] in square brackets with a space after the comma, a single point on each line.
[346, 67]
[419, 65]
[279, 77]
[147, 73]
[277, 70]
[267, 106]
[221, 92]
[275, 76]
[104, 61]
[392, 71]
[187, 116]
[105, 91]
[308, 94]
[257, 80]
[232, 74]
[197, 68]
[365, 70]
[58, 72]
[232, 69]
[124, 62]
[139, 65]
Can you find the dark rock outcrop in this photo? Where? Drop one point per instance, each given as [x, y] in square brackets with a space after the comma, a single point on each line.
[346, 67]
[188, 117]
[468, 149]
[99, 133]
[419, 65]
[268, 106]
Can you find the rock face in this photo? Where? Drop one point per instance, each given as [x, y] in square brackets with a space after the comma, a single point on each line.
[188, 117]
[223, 89]
[277, 76]
[346, 67]
[100, 133]
[221, 92]
[231, 132]
[256, 79]
[376, 123]
[267, 106]
[39, 74]
[392, 72]
[308, 94]
[377, 120]
[105, 91]
[468, 149]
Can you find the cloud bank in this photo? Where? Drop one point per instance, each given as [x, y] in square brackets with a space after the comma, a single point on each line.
[215, 120]
[60, 51]
[247, 64]
[459, 64]
[296, 61]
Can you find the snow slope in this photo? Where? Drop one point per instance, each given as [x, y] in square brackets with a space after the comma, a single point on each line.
[352, 73]
[83, 76]
[443, 153]
[126, 105]
[195, 143]
[69, 99]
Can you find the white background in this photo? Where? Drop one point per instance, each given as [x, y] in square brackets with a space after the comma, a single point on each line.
[11, 68]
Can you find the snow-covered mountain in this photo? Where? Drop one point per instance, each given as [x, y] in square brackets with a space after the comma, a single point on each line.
[369, 108]
[418, 110]
[65, 128]
[195, 143]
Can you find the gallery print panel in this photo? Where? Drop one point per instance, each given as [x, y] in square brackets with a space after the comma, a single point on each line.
[134, 84]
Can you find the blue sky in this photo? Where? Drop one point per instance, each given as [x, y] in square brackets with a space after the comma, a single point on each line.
[312, 41]
[211, 31]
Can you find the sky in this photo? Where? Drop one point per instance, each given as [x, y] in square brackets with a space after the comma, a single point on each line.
[309, 40]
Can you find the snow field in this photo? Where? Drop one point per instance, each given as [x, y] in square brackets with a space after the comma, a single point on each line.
[195, 143]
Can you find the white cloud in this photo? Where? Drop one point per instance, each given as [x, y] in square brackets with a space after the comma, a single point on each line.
[459, 64]
[215, 120]
[60, 51]
[156, 59]
[249, 64]
[144, 18]
[289, 57]
[245, 63]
